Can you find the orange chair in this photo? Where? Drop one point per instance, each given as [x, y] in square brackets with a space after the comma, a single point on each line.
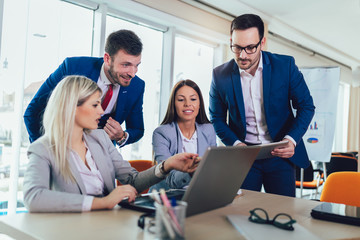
[140, 165]
[349, 154]
[342, 187]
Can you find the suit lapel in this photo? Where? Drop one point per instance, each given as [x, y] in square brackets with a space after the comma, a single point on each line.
[237, 90]
[121, 102]
[266, 81]
[97, 154]
[178, 139]
[94, 75]
[201, 147]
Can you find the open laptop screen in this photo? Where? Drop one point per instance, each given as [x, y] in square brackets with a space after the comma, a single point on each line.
[215, 183]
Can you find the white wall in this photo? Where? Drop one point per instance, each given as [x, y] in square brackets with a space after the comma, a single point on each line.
[304, 58]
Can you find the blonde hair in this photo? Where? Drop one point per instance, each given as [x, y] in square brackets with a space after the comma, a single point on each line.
[59, 117]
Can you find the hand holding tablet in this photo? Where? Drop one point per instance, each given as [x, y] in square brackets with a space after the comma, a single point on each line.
[267, 148]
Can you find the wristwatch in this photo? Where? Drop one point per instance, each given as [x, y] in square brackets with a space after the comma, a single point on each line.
[122, 139]
[162, 169]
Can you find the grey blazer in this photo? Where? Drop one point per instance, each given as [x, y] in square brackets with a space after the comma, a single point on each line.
[45, 190]
[167, 142]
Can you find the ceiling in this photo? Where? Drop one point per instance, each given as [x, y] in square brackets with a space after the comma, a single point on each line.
[329, 27]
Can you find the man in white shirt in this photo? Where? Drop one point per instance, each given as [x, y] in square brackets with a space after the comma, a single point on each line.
[256, 91]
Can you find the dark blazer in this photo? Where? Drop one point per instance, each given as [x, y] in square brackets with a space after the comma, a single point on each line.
[167, 142]
[45, 190]
[128, 105]
[283, 86]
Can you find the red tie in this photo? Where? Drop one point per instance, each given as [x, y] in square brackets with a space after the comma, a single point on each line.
[107, 97]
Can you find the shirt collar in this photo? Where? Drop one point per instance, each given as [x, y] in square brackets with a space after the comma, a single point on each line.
[259, 68]
[103, 77]
[183, 138]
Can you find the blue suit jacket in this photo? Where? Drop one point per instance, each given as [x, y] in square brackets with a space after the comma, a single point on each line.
[283, 86]
[128, 106]
[167, 142]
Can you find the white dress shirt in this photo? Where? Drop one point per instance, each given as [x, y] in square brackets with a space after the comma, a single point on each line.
[92, 179]
[252, 88]
[188, 145]
[103, 83]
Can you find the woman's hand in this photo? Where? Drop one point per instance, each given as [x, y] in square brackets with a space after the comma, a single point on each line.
[184, 162]
[118, 194]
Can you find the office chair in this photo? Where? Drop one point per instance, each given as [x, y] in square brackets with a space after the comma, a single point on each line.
[342, 187]
[349, 154]
[356, 154]
[311, 179]
[140, 165]
[341, 162]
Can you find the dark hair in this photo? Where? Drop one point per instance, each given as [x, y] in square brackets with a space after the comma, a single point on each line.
[123, 40]
[171, 115]
[247, 21]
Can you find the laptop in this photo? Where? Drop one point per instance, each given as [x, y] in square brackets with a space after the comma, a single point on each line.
[336, 212]
[215, 183]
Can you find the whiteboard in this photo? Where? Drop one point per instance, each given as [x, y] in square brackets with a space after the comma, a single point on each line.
[323, 83]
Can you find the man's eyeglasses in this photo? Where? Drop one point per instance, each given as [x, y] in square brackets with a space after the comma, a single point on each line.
[281, 220]
[251, 49]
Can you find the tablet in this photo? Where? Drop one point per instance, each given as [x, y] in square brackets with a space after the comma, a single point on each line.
[265, 149]
[336, 212]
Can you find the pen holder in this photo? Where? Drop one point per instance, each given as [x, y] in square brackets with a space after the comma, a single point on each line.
[166, 226]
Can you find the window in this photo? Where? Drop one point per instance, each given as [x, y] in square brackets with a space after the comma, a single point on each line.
[35, 41]
[342, 118]
[150, 72]
[194, 61]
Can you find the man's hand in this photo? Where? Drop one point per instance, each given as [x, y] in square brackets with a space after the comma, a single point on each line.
[113, 129]
[285, 152]
[241, 144]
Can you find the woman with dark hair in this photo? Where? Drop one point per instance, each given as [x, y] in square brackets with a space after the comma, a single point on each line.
[185, 128]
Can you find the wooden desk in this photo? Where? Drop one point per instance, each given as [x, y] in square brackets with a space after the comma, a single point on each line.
[122, 223]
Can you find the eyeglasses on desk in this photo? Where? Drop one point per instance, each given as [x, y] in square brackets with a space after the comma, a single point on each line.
[281, 220]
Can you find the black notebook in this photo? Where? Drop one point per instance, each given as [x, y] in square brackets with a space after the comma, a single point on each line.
[335, 212]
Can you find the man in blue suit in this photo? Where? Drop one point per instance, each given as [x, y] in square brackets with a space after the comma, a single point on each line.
[115, 75]
[257, 91]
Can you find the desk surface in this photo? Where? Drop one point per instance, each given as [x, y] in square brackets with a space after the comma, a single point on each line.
[121, 223]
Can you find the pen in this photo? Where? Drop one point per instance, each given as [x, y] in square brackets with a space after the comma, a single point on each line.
[173, 202]
[171, 212]
[166, 221]
[155, 196]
